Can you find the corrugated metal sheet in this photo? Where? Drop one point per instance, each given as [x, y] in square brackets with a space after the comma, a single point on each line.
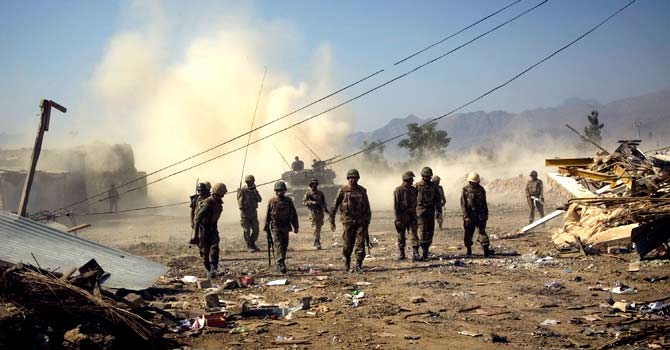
[56, 249]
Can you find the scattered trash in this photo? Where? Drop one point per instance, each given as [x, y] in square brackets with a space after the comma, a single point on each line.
[623, 289]
[554, 285]
[204, 284]
[622, 306]
[280, 282]
[336, 339]
[355, 297]
[212, 300]
[412, 337]
[495, 338]
[247, 281]
[567, 271]
[218, 320]
[634, 266]
[189, 279]
[549, 322]
[305, 303]
[198, 323]
[363, 283]
[470, 334]
[618, 250]
[295, 289]
[417, 300]
[545, 259]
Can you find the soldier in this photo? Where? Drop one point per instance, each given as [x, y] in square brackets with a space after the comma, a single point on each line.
[355, 215]
[280, 217]
[247, 200]
[315, 201]
[297, 165]
[206, 228]
[196, 200]
[475, 214]
[534, 196]
[404, 206]
[427, 204]
[113, 196]
[439, 215]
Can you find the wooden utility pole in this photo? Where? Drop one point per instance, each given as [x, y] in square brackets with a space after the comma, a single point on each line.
[45, 105]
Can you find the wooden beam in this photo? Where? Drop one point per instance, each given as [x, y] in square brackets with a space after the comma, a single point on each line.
[583, 162]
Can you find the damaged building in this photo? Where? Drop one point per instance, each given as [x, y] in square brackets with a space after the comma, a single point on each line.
[68, 175]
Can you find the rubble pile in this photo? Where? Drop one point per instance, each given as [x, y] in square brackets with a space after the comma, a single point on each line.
[54, 308]
[618, 198]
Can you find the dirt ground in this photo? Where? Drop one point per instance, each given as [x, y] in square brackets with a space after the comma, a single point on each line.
[505, 295]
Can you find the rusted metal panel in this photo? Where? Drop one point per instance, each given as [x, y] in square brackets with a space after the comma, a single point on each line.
[54, 249]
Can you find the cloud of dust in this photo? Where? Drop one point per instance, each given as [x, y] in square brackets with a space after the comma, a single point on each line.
[171, 101]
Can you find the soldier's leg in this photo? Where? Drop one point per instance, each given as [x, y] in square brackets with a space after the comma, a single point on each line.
[426, 229]
[280, 240]
[348, 239]
[246, 227]
[440, 219]
[205, 250]
[318, 224]
[414, 238]
[531, 205]
[469, 230]
[255, 231]
[483, 238]
[214, 253]
[359, 245]
[540, 209]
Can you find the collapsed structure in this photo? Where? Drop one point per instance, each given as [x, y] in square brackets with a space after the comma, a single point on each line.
[617, 198]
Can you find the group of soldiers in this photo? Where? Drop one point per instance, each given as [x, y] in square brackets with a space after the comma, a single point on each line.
[416, 208]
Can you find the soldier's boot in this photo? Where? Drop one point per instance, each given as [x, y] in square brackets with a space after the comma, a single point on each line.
[347, 264]
[254, 247]
[415, 254]
[488, 251]
[469, 251]
[425, 252]
[213, 271]
[359, 267]
[401, 253]
[317, 244]
[281, 267]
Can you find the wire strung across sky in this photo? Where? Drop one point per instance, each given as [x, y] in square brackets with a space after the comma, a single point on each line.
[505, 83]
[281, 117]
[377, 87]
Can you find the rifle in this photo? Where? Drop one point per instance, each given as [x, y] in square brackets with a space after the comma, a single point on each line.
[271, 245]
[367, 239]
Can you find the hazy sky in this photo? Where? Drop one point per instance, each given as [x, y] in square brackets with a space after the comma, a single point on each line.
[52, 48]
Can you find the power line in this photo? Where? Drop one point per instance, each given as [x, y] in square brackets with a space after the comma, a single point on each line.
[507, 82]
[270, 122]
[458, 32]
[398, 77]
[246, 150]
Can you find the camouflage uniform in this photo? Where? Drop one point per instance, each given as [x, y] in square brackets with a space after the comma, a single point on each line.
[206, 228]
[247, 200]
[280, 217]
[355, 216]
[315, 201]
[440, 212]
[404, 206]
[534, 189]
[427, 204]
[475, 214]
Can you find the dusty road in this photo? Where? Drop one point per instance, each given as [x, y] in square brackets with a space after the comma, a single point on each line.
[505, 295]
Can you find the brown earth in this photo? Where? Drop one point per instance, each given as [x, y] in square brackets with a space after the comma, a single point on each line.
[505, 295]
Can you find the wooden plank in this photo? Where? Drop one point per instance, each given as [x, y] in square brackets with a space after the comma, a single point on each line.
[78, 227]
[541, 221]
[613, 236]
[571, 185]
[583, 162]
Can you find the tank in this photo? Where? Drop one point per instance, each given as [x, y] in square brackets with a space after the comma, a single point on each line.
[298, 182]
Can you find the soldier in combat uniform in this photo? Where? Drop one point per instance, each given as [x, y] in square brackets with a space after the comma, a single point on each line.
[196, 199]
[475, 214]
[247, 200]
[534, 196]
[206, 228]
[439, 215]
[404, 206]
[280, 217]
[355, 215]
[315, 201]
[427, 204]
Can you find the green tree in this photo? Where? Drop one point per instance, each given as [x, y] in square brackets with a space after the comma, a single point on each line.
[425, 141]
[374, 155]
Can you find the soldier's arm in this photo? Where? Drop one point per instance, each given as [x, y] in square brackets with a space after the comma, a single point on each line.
[323, 202]
[204, 211]
[396, 204]
[305, 199]
[368, 211]
[464, 205]
[541, 191]
[258, 194]
[528, 190]
[336, 204]
[485, 210]
[443, 198]
[240, 199]
[294, 218]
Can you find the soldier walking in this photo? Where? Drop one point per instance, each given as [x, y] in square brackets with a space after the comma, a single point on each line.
[247, 200]
[404, 206]
[439, 215]
[206, 228]
[534, 196]
[475, 214]
[196, 200]
[355, 215]
[280, 217]
[427, 204]
[315, 201]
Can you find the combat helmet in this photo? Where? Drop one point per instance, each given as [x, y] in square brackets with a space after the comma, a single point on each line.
[353, 173]
[202, 187]
[280, 186]
[533, 173]
[473, 177]
[426, 171]
[435, 179]
[408, 175]
[314, 181]
[249, 178]
[209, 185]
[219, 189]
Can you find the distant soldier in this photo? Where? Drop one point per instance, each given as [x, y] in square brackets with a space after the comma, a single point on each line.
[315, 201]
[355, 215]
[318, 165]
[297, 165]
[113, 196]
[439, 215]
[404, 206]
[202, 193]
[427, 204]
[534, 196]
[280, 217]
[247, 200]
[475, 214]
[206, 228]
